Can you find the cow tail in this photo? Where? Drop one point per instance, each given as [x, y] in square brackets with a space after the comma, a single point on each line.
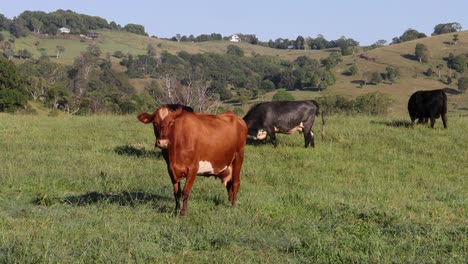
[322, 131]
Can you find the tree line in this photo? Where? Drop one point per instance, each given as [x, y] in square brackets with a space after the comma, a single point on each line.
[48, 23]
[203, 81]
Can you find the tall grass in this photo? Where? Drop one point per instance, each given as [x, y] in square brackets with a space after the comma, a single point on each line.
[93, 189]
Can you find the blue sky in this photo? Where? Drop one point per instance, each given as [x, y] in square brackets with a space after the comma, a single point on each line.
[365, 21]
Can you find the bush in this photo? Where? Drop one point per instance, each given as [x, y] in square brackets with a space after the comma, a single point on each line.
[333, 104]
[118, 54]
[267, 85]
[463, 84]
[12, 100]
[283, 96]
[372, 104]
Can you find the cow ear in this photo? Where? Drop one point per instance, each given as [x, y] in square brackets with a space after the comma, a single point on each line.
[178, 111]
[145, 118]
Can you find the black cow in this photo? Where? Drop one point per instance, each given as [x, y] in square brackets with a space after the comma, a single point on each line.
[428, 104]
[266, 119]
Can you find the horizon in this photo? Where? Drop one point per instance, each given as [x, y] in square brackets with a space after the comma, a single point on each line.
[264, 19]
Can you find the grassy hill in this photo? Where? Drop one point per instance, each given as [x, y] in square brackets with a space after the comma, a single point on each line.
[412, 77]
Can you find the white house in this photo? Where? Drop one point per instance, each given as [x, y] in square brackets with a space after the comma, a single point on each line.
[235, 38]
[64, 30]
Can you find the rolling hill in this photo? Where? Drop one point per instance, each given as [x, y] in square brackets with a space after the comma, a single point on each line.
[376, 60]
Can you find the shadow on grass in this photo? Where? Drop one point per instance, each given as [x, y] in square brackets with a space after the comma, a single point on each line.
[127, 150]
[451, 91]
[124, 199]
[255, 142]
[393, 123]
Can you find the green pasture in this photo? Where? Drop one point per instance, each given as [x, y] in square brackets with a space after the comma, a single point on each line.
[94, 190]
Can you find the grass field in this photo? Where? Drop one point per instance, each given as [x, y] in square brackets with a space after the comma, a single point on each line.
[93, 189]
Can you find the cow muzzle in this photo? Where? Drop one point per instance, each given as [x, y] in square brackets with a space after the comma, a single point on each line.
[162, 143]
[261, 135]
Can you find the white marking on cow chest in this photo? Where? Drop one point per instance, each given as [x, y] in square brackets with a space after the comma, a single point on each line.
[205, 167]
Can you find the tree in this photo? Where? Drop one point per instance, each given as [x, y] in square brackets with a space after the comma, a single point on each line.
[409, 34]
[375, 78]
[353, 70]
[151, 50]
[392, 74]
[439, 67]
[12, 96]
[4, 23]
[37, 25]
[446, 28]
[422, 53]
[332, 60]
[59, 49]
[283, 96]
[347, 45]
[137, 29]
[300, 42]
[455, 39]
[318, 43]
[235, 50]
[463, 84]
[459, 63]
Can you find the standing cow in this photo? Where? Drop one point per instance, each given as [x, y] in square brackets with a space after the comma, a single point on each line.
[424, 105]
[199, 144]
[268, 118]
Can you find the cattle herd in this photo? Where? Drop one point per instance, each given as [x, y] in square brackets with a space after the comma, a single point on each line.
[213, 145]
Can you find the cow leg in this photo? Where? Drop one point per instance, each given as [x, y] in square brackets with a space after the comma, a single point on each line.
[412, 117]
[177, 195]
[444, 120]
[235, 180]
[272, 135]
[432, 122]
[308, 133]
[187, 189]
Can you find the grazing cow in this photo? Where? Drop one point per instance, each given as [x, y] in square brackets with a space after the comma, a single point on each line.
[199, 144]
[266, 119]
[428, 104]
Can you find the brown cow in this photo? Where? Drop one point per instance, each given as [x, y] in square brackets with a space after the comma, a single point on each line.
[203, 144]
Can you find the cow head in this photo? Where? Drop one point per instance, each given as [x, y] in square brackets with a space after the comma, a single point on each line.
[163, 120]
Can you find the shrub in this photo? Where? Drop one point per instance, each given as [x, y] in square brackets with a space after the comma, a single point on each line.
[463, 84]
[11, 100]
[267, 85]
[283, 96]
[372, 103]
[118, 54]
[333, 104]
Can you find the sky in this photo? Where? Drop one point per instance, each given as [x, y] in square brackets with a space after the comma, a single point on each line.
[365, 21]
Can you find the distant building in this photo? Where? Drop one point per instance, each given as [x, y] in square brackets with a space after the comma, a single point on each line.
[235, 38]
[64, 30]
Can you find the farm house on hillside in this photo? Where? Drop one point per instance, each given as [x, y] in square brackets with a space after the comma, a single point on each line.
[235, 38]
[64, 30]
